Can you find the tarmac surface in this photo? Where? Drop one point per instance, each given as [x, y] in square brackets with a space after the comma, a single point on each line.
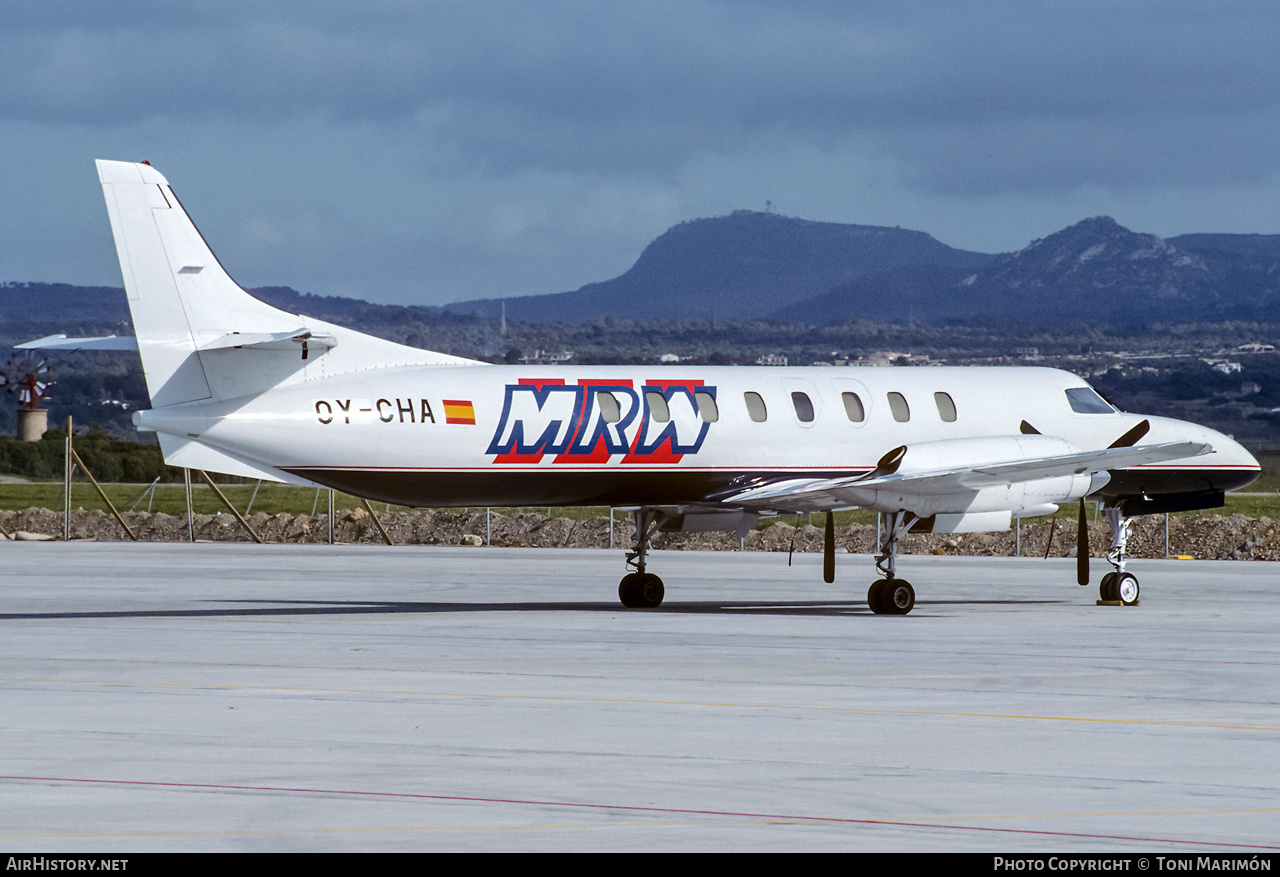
[315, 698]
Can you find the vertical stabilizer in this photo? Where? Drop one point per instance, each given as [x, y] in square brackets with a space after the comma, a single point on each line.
[200, 335]
[179, 295]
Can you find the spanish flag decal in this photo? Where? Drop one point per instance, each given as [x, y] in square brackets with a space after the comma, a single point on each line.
[459, 411]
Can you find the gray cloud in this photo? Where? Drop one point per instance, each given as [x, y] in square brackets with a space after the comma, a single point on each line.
[500, 115]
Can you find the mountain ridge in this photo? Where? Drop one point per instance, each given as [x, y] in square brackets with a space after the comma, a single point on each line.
[751, 265]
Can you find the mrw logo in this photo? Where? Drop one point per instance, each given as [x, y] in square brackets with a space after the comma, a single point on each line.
[594, 421]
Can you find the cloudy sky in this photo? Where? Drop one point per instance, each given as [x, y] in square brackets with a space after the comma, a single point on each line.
[425, 152]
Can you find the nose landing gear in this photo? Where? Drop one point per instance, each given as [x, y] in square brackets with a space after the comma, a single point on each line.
[1118, 586]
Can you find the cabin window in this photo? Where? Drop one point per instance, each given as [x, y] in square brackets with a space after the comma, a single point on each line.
[898, 405]
[853, 407]
[657, 404]
[1085, 400]
[610, 411]
[946, 407]
[803, 406]
[707, 407]
[755, 407]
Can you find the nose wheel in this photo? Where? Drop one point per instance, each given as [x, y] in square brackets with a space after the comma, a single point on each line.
[891, 597]
[1119, 587]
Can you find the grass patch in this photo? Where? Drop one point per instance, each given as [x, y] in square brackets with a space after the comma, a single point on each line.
[288, 499]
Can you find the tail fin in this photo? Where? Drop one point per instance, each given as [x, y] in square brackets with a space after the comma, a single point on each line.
[186, 308]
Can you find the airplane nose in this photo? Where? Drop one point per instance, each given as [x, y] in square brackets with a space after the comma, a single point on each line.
[1230, 466]
[1227, 467]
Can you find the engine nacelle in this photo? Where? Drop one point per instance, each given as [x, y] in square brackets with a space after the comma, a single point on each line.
[947, 454]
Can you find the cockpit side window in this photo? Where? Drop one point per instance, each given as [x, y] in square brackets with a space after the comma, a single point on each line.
[1085, 400]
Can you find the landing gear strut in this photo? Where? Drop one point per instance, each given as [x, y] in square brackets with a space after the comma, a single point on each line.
[891, 595]
[1119, 585]
[640, 589]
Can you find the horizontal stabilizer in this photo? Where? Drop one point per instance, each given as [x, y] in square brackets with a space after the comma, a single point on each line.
[294, 340]
[62, 342]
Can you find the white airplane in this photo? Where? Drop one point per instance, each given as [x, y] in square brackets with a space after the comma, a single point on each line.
[243, 388]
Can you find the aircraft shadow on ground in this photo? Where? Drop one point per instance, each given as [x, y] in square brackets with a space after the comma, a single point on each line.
[287, 608]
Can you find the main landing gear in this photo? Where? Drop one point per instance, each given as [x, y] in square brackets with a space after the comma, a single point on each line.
[640, 589]
[891, 595]
[888, 596]
[1118, 586]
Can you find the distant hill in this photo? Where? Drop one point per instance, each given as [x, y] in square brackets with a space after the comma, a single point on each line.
[759, 265]
[1266, 246]
[1094, 271]
[751, 265]
[740, 266]
[60, 307]
[61, 303]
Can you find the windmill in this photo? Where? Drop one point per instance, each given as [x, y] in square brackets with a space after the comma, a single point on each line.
[26, 375]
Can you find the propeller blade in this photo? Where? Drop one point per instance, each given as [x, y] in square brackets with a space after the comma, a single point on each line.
[829, 549]
[1082, 548]
[1130, 438]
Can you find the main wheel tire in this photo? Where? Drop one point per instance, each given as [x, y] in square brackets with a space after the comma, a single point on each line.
[641, 591]
[873, 596]
[897, 597]
[1126, 589]
[1107, 588]
[629, 590]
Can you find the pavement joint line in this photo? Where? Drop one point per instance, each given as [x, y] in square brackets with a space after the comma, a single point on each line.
[1145, 659]
[406, 828]
[781, 818]
[649, 702]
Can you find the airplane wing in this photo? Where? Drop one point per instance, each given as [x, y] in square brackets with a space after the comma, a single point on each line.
[813, 494]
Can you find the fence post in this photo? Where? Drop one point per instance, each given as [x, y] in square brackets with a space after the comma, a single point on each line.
[102, 493]
[66, 500]
[249, 507]
[227, 503]
[386, 537]
[191, 520]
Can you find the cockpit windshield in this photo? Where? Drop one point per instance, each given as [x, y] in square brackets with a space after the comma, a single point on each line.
[1085, 400]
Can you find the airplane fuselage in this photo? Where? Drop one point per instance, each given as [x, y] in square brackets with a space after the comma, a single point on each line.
[642, 435]
[243, 388]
